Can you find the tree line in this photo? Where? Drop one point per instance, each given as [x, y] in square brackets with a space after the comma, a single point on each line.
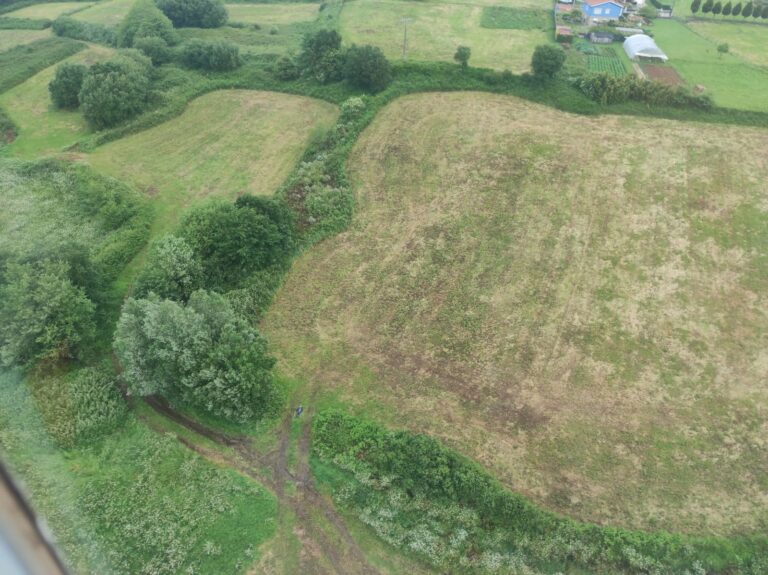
[747, 10]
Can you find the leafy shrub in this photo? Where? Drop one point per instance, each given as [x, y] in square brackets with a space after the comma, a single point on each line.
[352, 108]
[202, 354]
[154, 48]
[114, 91]
[321, 56]
[172, 270]
[66, 85]
[608, 89]
[286, 69]
[216, 56]
[145, 20]
[367, 68]
[97, 405]
[194, 13]
[43, 315]
[88, 31]
[547, 61]
[235, 241]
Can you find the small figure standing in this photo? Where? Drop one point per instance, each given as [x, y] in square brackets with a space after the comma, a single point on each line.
[299, 411]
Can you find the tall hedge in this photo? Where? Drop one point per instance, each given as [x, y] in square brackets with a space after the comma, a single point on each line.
[194, 13]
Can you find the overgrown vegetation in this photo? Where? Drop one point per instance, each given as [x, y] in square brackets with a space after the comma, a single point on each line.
[145, 20]
[611, 89]
[66, 85]
[213, 56]
[424, 499]
[89, 31]
[194, 13]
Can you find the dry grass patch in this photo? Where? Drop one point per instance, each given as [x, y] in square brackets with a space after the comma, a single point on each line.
[580, 304]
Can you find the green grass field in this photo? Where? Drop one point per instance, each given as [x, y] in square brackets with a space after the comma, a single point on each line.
[250, 41]
[42, 128]
[272, 14]
[588, 321]
[108, 13]
[731, 81]
[50, 11]
[516, 18]
[434, 32]
[747, 42]
[11, 38]
[225, 144]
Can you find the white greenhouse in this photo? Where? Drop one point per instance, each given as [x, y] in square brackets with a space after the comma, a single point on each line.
[642, 46]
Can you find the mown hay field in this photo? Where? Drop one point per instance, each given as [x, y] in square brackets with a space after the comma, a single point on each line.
[109, 13]
[579, 304]
[272, 14]
[226, 143]
[434, 32]
[51, 10]
[11, 38]
[744, 40]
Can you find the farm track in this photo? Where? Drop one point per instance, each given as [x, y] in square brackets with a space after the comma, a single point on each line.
[321, 530]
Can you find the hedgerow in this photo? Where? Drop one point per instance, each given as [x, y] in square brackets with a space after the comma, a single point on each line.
[88, 31]
[431, 502]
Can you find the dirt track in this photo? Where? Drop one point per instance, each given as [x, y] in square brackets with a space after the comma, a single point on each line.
[327, 545]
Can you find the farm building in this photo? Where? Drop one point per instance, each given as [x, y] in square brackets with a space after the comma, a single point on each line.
[597, 10]
[600, 37]
[642, 46]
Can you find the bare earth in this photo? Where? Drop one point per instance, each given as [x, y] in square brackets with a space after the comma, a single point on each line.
[580, 304]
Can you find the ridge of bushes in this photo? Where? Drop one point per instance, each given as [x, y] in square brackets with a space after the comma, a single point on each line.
[411, 490]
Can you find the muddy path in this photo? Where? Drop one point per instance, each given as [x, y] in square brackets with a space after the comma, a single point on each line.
[327, 546]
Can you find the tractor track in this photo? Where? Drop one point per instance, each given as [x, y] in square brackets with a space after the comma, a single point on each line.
[319, 527]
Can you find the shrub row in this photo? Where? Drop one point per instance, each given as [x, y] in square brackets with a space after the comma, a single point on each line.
[24, 24]
[89, 31]
[609, 89]
[413, 471]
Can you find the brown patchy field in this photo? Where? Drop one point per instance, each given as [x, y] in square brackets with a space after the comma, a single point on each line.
[579, 304]
[663, 74]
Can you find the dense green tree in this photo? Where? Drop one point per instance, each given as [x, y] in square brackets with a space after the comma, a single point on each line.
[154, 48]
[706, 8]
[286, 69]
[722, 49]
[172, 270]
[367, 68]
[736, 9]
[42, 313]
[321, 56]
[756, 11]
[194, 13]
[234, 241]
[695, 6]
[547, 60]
[66, 85]
[747, 10]
[217, 56]
[717, 8]
[202, 354]
[145, 20]
[728, 8]
[764, 12]
[462, 55]
[114, 91]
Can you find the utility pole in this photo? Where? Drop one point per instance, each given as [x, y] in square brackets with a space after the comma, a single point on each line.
[405, 35]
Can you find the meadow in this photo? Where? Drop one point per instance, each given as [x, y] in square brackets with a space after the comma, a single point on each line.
[42, 128]
[434, 32]
[747, 42]
[243, 142]
[731, 81]
[49, 11]
[273, 14]
[107, 13]
[11, 38]
[586, 321]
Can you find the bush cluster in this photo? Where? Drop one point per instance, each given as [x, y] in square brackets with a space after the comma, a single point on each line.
[216, 56]
[66, 85]
[194, 13]
[608, 89]
[145, 20]
[427, 499]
